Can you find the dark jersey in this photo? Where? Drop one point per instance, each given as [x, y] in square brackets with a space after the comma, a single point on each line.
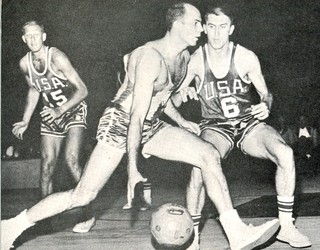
[223, 98]
[55, 90]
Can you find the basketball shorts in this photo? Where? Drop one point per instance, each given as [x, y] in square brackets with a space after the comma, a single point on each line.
[75, 117]
[113, 127]
[233, 130]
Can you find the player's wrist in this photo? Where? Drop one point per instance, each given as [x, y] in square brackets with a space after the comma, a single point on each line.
[26, 122]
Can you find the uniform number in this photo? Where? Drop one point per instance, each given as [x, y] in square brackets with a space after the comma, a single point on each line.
[57, 96]
[230, 107]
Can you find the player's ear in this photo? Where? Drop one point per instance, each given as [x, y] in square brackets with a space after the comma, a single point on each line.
[44, 36]
[24, 39]
[231, 30]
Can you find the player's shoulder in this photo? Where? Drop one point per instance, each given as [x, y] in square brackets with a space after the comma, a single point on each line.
[146, 51]
[23, 63]
[243, 52]
[146, 55]
[56, 53]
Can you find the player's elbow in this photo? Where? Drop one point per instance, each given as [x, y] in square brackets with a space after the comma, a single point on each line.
[84, 92]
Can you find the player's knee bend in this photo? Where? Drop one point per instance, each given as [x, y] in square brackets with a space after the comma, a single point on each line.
[284, 155]
[48, 162]
[209, 157]
[81, 197]
[72, 161]
[47, 171]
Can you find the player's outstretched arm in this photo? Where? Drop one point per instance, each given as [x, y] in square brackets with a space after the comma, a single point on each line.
[144, 68]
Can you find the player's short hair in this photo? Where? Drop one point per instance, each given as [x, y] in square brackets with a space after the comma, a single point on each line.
[30, 23]
[174, 12]
[219, 10]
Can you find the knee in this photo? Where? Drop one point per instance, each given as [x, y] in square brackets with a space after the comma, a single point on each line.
[209, 157]
[284, 155]
[47, 168]
[81, 197]
[72, 160]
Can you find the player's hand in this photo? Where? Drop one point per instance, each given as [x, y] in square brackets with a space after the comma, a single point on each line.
[19, 128]
[260, 111]
[133, 179]
[188, 92]
[191, 127]
[50, 114]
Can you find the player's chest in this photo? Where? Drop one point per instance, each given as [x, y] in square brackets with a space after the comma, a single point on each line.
[48, 82]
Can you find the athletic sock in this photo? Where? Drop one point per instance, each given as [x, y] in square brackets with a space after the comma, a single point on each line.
[196, 222]
[147, 192]
[285, 207]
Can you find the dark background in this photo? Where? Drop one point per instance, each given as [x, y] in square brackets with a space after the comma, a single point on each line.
[96, 34]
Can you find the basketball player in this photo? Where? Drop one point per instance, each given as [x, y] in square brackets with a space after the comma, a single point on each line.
[224, 73]
[50, 75]
[153, 72]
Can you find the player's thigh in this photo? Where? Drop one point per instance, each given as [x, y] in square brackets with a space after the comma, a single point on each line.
[217, 140]
[74, 140]
[50, 147]
[103, 161]
[263, 142]
[177, 144]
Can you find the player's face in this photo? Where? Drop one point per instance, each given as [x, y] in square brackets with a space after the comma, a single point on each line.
[34, 37]
[190, 29]
[218, 29]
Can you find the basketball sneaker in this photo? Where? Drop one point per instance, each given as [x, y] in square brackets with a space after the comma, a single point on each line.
[252, 236]
[12, 228]
[245, 237]
[127, 206]
[85, 226]
[291, 235]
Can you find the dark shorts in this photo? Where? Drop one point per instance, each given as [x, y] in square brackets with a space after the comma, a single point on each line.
[113, 127]
[233, 130]
[75, 117]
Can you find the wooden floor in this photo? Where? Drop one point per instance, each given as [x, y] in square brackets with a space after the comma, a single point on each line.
[125, 230]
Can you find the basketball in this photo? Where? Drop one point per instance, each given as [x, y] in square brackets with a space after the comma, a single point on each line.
[171, 225]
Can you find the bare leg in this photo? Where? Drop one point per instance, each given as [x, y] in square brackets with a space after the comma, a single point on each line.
[186, 147]
[50, 148]
[103, 161]
[264, 142]
[73, 146]
[181, 145]
[195, 189]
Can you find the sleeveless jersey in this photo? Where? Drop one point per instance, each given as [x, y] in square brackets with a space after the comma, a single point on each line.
[161, 94]
[223, 98]
[55, 90]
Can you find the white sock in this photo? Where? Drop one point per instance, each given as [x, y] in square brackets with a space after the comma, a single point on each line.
[285, 208]
[147, 192]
